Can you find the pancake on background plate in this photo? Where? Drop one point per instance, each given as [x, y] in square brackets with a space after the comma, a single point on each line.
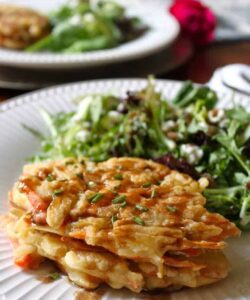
[20, 27]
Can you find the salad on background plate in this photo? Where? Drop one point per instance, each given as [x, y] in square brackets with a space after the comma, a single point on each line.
[75, 27]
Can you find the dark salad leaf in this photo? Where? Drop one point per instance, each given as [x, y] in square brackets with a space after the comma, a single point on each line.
[84, 26]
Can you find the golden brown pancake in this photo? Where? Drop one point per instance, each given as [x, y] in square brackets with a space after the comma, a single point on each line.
[21, 27]
[127, 222]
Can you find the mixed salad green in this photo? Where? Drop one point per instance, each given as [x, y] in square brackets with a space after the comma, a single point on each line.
[188, 134]
[81, 26]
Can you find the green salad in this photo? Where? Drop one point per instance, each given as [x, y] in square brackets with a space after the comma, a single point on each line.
[188, 133]
[81, 26]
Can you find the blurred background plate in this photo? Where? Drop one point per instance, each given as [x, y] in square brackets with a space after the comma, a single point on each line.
[16, 145]
[169, 58]
[163, 31]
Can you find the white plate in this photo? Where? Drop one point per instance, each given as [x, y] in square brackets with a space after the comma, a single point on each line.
[16, 144]
[163, 30]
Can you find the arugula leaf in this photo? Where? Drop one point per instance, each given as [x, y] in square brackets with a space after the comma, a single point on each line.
[238, 113]
[49, 121]
[245, 211]
[227, 139]
[34, 132]
[226, 201]
[190, 94]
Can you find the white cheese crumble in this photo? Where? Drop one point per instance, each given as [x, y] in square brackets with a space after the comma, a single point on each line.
[82, 136]
[171, 144]
[86, 125]
[191, 153]
[168, 125]
[89, 17]
[216, 115]
[114, 115]
[76, 20]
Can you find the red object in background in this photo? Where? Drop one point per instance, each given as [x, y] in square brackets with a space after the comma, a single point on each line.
[196, 20]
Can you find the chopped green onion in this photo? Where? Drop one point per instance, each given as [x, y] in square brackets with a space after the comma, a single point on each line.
[153, 193]
[79, 175]
[57, 192]
[119, 167]
[147, 184]
[119, 199]
[141, 207]
[138, 221]
[113, 219]
[123, 204]
[118, 176]
[50, 178]
[115, 188]
[55, 276]
[113, 191]
[171, 209]
[63, 180]
[69, 162]
[96, 197]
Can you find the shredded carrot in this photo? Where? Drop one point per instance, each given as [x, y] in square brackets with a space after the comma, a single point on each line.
[78, 235]
[182, 263]
[191, 252]
[24, 261]
[36, 201]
